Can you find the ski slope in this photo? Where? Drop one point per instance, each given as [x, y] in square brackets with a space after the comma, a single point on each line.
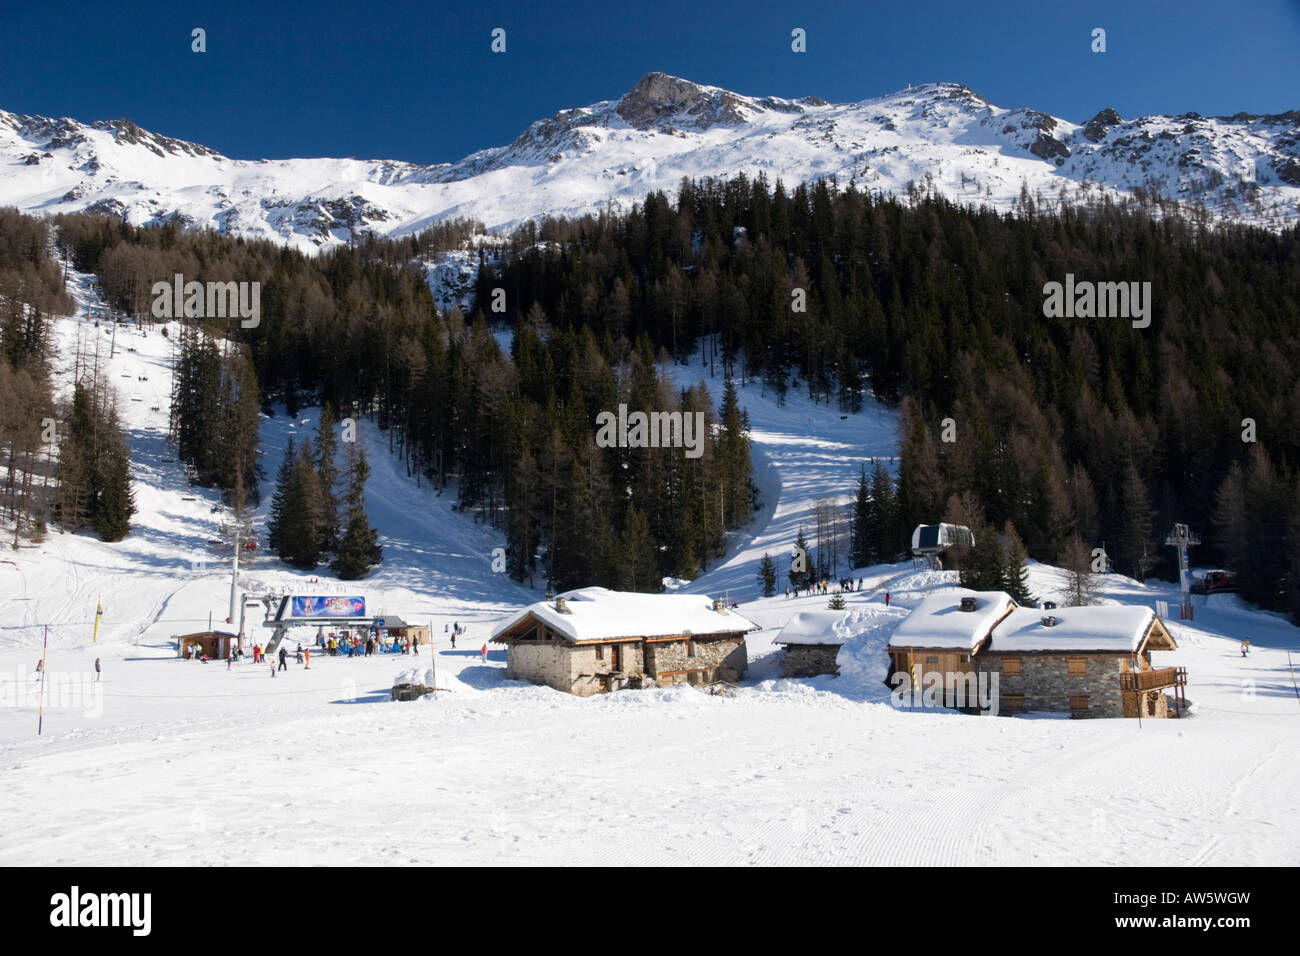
[176, 762]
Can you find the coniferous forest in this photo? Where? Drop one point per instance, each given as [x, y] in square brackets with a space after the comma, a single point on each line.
[1053, 436]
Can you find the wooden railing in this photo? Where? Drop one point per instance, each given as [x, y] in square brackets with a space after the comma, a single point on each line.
[1155, 679]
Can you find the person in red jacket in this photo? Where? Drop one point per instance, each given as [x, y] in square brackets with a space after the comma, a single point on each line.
[484, 653]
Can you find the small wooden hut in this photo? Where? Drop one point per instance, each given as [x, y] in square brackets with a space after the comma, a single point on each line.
[216, 644]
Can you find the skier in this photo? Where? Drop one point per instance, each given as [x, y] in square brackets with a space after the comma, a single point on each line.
[453, 640]
[298, 656]
[97, 670]
[230, 660]
[307, 667]
[484, 653]
[886, 599]
[1245, 647]
[284, 657]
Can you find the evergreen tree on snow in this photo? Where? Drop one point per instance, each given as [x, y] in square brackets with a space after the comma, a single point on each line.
[767, 575]
[799, 579]
[328, 472]
[359, 549]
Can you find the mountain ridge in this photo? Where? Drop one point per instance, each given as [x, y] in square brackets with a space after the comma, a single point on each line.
[940, 137]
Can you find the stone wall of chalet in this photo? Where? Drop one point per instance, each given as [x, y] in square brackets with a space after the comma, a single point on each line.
[698, 660]
[810, 660]
[1046, 684]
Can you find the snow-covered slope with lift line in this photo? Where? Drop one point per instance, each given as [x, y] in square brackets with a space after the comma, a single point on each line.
[941, 136]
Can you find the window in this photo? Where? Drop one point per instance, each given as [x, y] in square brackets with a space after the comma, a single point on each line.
[1078, 666]
[690, 648]
[932, 660]
[1079, 704]
[600, 653]
[1011, 666]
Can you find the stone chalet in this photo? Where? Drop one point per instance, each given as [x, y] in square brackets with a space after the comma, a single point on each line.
[1085, 661]
[592, 641]
[811, 644]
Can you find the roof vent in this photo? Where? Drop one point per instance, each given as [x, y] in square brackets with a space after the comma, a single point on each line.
[1049, 621]
[720, 605]
[968, 604]
[562, 606]
[1049, 605]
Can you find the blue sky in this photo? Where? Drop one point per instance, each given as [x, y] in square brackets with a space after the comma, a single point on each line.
[418, 82]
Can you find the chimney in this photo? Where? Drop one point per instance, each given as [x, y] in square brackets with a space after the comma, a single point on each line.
[720, 605]
[1049, 621]
[562, 606]
[968, 604]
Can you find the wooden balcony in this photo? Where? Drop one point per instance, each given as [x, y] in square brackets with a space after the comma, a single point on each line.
[1154, 679]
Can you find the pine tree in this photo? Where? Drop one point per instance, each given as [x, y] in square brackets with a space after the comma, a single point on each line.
[1081, 583]
[799, 578]
[836, 603]
[298, 530]
[982, 569]
[767, 575]
[864, 538]
[76, 463]
[1015, 576]
[275, 521]
[1132, 530]
[115, 502]
[328, 472]
[359, 550]
[888, 514]
[637, 562]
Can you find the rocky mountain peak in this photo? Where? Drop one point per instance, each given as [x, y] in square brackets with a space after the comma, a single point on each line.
[658, 99]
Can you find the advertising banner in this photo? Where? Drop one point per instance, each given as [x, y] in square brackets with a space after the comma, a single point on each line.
[307, 606]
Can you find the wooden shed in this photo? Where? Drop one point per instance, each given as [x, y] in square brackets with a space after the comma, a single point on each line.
[214, 643]
[395, 627]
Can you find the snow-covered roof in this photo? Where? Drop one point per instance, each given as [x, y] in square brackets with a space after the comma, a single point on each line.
[598, 614]
[939, 621]
[812, 627]
[1118, 627]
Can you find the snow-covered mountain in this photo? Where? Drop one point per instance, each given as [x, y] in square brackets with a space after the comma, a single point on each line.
[942, 137]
